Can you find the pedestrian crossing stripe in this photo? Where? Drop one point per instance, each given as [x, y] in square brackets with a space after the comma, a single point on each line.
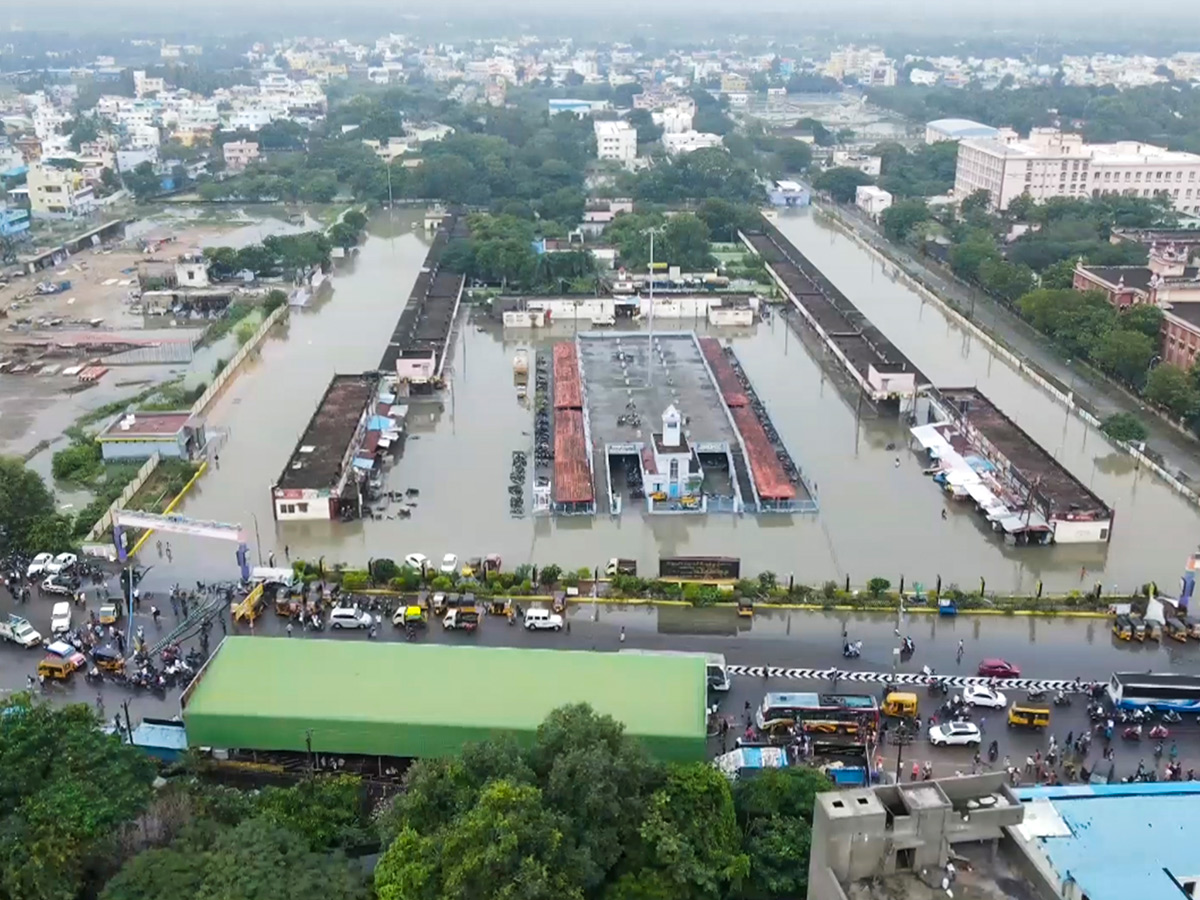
[906, 678]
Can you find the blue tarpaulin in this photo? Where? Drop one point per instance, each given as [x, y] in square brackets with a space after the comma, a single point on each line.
[380, 423]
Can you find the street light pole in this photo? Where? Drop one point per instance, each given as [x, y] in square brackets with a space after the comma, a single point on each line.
[257, 539]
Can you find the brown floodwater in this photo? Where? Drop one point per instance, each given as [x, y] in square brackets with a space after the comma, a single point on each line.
[877, 518]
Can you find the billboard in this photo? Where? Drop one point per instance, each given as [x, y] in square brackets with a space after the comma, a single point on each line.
[700, 568]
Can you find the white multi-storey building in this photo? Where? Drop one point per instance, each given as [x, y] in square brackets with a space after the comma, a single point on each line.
[1051, 164]
[616, 140]
[687, 141]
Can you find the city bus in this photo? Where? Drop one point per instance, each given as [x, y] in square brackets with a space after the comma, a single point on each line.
[1129, 690]
[824, 713]
[714, 665]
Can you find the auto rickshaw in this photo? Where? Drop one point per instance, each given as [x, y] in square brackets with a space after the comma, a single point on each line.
[1028, 716]
[110, 613]
[500, 606]
[1175, 629]
[438, 604]
[288, 606]
[1123, 628]
[108, 659]
[56, 668]
[558, 602]
[1138, 626]
[900, 704]
[689, 502]
[745, 606]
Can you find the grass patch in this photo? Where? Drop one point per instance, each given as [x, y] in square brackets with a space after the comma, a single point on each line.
[234, 314]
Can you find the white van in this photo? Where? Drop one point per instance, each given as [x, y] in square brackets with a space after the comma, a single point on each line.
[349, 617]
[541, 619]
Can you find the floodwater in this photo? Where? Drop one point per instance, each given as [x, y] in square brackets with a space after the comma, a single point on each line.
[879, 515]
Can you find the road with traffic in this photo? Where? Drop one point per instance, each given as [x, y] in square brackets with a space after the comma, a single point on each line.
[776, 650]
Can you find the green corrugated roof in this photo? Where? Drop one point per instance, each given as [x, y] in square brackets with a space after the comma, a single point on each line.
[407, 699]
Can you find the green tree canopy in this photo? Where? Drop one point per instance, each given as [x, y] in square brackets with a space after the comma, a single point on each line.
[24, 499]
[66, 788]
[1170, 387]
[902, 217]
[841, 182]
[1124, 427]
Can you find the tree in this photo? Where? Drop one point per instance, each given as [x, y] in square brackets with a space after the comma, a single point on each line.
[685, 243]
[1124, 427]
[794, 155]
[343, 235]
[967, 257]
[65, 788]
[1144, 318]
[325, 811]
[725, 219]
[1004, 279]
[690, 836]
[356, 219]
[841, 182]
[142, 182]
[901, 218]
[1124, 354]
[1168, 386]
[975, 202]
[774, 811]
[54, 533]
[255, 859]
[643, 121]
[1059, 275]
[24, 499]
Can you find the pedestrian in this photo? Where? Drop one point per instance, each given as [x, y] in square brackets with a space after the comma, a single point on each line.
[271, 559]
[174, 605]
[982, 722]
[1070, 737]
[1028, 765]
[217, 459]
[961, 650]
[1037, 757]
[568, 626]
[287, 553]
[137, 600]
[42, 680]
[289, 629]
[100, 705]
[158, 544]
[183, 606]
[622, 634]
[121, 643]
[943, 512]
[1007, 763]
[168, 550]
[31, 681]
[154, 614]
[916, 771]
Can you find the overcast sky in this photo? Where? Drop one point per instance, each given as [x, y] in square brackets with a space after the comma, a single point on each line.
[1168, 17]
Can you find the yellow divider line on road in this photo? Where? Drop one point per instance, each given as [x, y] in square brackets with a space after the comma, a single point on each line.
[171, 506]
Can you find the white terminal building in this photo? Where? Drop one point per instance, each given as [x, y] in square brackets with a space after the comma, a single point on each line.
[616, 140]
[1051, 164]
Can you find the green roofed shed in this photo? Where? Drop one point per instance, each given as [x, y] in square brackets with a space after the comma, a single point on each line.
[427, 700]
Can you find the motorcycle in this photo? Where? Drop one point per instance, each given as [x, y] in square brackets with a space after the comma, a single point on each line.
[938, 688]
[852, 650]
[1132, 733]
[908, 647]
[993, 751]
[1171, 717]
[1160, 732]
[1062, 699]
[1096, 712]
[1034, 696]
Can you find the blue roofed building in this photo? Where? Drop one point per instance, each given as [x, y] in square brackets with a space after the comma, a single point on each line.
[1111, 841]
[958, 130]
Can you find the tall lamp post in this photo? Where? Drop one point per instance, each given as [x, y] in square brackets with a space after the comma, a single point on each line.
[650, 337]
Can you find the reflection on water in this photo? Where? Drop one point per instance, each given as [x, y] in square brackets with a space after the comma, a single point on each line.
[877, 518]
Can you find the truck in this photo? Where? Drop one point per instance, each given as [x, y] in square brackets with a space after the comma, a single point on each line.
[620, 567]
[19, 631]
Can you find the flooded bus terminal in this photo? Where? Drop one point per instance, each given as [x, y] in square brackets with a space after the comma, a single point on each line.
[878, 514]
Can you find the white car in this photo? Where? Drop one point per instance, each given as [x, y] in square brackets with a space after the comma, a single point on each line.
[977, 695]
[418, 561]
[349, 617]
[51, 585]
[60, 617]
[38, 564]
[61, 563]
[955, 734]
[540, 619]
[449, 564]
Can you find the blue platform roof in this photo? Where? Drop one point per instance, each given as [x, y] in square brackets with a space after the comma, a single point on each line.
[1126, 840]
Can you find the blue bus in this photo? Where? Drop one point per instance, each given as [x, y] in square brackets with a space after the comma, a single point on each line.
[1130, 690]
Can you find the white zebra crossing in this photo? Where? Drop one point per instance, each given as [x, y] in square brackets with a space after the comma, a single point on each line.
[907, 678]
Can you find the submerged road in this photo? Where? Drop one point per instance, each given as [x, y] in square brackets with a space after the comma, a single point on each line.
[777, 651]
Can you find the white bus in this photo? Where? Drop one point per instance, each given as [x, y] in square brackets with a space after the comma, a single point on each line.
[1129, 690]
[714, 665]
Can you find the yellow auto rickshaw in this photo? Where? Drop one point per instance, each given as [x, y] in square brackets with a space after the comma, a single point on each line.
[500, 606]
[56, 668]
[108, 659]
[110, 613]
[1123, 628]
[1176, 629]
[745, 606]
[900, 704]
[1028, 716]
[1138, 626]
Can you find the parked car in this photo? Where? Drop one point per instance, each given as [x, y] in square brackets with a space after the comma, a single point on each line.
[999, 668]
[418, 561]
[38, 564]
[60, 617]
[449, 564]
[538, 619]
[955, 734]
[64, 562]
[349, 617]
[984, 696]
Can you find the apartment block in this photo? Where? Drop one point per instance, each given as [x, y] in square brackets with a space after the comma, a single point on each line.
[616, 140]
[59, 193]
[1051, 164]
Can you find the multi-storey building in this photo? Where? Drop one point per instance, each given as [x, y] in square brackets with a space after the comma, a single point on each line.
[616, 140]
[1052, 164]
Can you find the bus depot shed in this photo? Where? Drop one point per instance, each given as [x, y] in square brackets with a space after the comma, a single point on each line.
[409, 700]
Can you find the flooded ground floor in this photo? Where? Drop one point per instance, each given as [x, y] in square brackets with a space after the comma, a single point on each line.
[879, 515]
